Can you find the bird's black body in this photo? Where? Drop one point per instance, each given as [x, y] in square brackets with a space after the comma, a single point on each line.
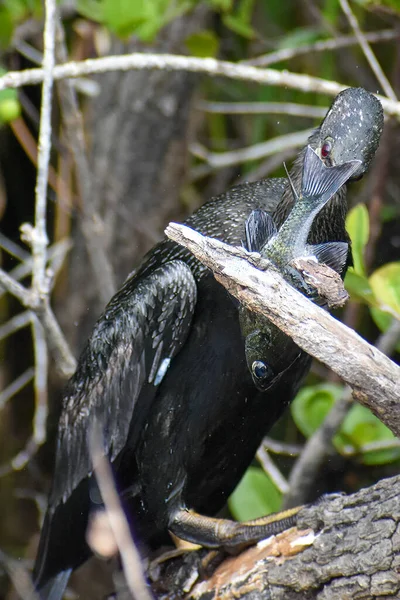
[183, 438]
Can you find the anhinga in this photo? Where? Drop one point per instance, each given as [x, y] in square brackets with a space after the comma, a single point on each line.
[165, 374]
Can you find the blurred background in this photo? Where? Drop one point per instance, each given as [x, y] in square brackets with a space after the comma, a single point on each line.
[159, 144]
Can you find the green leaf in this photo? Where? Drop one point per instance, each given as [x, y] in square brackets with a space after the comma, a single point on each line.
[125, 17]
[255, 496]
[312, 404]
[203, 44]
[385, 284]
[6, 28]
[299, 37]
[361, 427]
[237, 25]
[221, 5]
[10, 108]
[91, 9]
[391, 4]
[357, 225]
[359, 288]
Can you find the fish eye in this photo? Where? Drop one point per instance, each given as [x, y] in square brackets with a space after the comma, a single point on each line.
[326, 149]
[260, 369]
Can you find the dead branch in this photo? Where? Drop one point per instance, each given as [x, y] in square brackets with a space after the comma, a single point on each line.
[171, 62]
[374, 378]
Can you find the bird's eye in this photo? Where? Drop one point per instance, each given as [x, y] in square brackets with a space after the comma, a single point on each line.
[326, 149]
[260, 369]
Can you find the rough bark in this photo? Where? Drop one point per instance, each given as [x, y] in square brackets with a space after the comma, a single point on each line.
[139, 128]
[344, 547]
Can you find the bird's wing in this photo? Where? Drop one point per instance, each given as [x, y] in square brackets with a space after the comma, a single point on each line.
[142, 329]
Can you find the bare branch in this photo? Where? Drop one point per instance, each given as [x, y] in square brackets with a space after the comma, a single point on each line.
[257, 108]
[334, 44]
[57, 343]
[373, 377]
[366, 48]
[272, 470]
[39, 235]
[17, 385]
[129, 555]
[15, 324]
[218, 160]
[173, 62]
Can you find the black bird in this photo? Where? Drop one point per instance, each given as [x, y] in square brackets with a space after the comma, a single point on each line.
[165, 374]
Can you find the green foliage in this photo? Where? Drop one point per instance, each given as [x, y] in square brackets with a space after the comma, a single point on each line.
[240, 20]
[381, 290]
[145, 18]
[203, 44]
[13, 12]
[357, 225]
[392, 4]
[255, 496]
[313, 403]
[300, 36]
[9, 105]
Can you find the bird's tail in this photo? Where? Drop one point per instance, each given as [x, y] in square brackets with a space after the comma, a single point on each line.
[322, 182]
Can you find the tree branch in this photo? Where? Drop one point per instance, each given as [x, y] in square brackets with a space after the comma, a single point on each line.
[347, 547]
[373, 377]
[171, 62]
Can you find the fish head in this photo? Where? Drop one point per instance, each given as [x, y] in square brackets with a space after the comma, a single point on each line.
[269, 352]
[350, 131]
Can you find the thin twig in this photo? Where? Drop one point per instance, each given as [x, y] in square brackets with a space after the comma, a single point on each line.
[92, 226]
[56, 253]
[39, 375]
[129, 555]
[263, 108]
[272, 470]
[64, 359]
[39, 235]
[12, 248]
[171, 62]
[15, 324]
[283, 448]
[366, 48]
[334, 44]
[58, 346]
[19, 576]
[218, 160]
[16, 386]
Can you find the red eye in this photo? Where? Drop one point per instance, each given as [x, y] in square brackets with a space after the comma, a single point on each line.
[326, 150]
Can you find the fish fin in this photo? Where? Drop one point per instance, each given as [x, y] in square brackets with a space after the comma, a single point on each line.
[259, 228]
[294, 191]
[332, 254]
[321, 181]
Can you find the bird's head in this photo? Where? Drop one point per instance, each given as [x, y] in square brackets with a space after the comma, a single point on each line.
[350, 131]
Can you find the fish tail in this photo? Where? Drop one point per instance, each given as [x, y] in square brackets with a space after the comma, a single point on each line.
[322, 182]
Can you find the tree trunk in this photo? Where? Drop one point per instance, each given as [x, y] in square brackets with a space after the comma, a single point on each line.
[139, 127]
